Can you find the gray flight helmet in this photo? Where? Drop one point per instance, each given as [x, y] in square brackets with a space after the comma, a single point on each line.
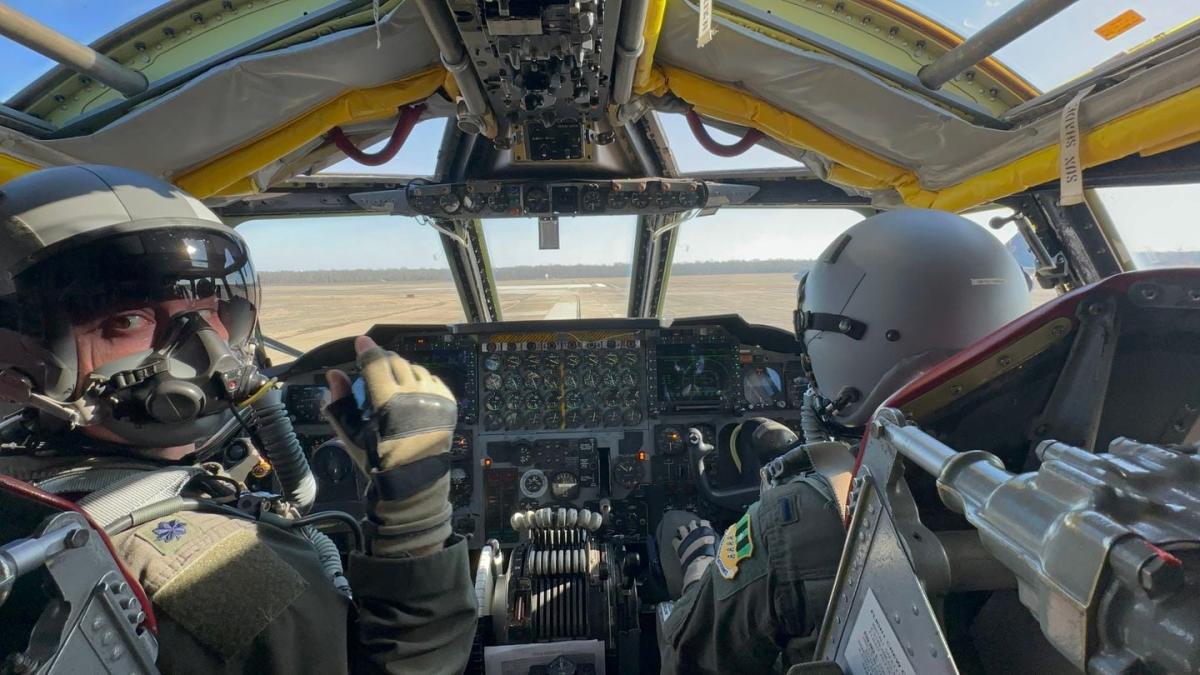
[896, 294]
[79, 236]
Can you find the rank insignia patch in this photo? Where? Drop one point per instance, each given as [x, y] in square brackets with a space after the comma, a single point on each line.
[736, 546]
[165, 535]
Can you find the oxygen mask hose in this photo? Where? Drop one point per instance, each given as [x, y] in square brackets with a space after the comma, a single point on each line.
[279, 443]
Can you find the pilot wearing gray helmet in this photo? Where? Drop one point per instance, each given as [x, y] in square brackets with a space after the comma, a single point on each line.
[893, 296]
[127, 312]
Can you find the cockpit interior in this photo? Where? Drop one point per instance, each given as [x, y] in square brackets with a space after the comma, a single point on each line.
[590, 219]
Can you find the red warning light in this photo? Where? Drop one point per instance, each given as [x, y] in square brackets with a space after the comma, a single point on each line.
[641, 455]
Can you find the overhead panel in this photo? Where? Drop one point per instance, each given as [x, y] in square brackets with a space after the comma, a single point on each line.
[545, 68]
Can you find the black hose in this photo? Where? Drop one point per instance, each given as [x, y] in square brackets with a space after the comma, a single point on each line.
[810, 423]
[283, 450]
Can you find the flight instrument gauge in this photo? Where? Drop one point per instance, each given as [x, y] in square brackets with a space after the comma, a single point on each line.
[533, 484]
[670, 441]
[512, 382]
[612, 359]
[564, 485]
[524, 452]
[627, 472]
[493, 382]
[612, 417]
[492, 363]
[632, 417]
[573, 360]
[574, 419]
[494, 403]
[552, 419]
[591, 417]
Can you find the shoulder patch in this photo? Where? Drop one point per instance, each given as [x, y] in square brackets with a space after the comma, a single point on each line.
[228, 594]
[166, 535]
[736, 545]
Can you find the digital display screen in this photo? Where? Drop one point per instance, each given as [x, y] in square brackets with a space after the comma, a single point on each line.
[763, 387]
[692, 375]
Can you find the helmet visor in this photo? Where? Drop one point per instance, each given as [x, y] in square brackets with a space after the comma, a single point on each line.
[174, 270]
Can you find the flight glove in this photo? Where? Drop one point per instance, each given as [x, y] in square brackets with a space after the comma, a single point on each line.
[402, 441]
[695, 544]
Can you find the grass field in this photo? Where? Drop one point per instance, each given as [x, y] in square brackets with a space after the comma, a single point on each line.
[307, 315]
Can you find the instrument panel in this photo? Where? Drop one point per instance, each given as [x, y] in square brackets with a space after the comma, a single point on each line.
[581, 414]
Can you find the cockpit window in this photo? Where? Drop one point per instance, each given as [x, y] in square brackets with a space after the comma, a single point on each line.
[586, 277]
[748, 261]
[691, 157]
[320, 283]
[1082, 36]
[418, 156]
[1156, 223]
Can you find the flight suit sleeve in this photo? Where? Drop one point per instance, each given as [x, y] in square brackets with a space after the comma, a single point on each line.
[415, 615]
[768, 585]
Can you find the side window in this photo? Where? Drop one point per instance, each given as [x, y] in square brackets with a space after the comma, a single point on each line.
[1158, 224]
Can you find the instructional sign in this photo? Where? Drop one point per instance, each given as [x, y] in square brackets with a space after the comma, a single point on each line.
[1123, 22]
[873, 648]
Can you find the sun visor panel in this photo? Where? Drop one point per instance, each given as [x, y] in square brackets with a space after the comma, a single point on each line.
[252, 97]
[356, 106]
[828, 92]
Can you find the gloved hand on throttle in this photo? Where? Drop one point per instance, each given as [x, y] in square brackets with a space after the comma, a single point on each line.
[695, 544]
[403, 445]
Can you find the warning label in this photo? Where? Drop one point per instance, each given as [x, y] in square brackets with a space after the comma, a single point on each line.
[1123, 22]
[873, 648]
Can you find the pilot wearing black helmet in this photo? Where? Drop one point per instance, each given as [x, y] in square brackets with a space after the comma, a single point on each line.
[894, 295]
[127, 315]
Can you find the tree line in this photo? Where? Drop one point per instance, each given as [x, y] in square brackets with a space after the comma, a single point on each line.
[531, 272]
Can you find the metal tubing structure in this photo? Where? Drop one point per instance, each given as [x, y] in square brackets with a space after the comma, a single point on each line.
[629, 47]
[1012, 25]
[71, 54]
[455, 58]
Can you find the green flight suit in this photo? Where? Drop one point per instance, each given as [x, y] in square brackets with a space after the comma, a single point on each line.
[767, 590]
[233, 596]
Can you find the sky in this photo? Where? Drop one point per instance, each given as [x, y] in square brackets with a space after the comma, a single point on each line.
[1149, 218]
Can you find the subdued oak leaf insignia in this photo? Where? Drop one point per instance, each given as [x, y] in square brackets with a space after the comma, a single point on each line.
[736, 546]
[165, 535]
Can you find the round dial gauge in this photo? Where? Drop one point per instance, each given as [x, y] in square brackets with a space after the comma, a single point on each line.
[474, 203]
[628, 379]
[512, 420]
[553, 360]
[492, 363]
[630, 358]
[670, 441]
[612, 359]
[512, 382]
[574, 419]
[611, 398]
[493, 422]
[533, 401]
[564, 485]
[612, 417]
[573, 400]
[617, 200]
[494, 403]
[592, 359]
[570, 381]
[512, 361]
[531, 420]
[589, 379]
[630, 397]
[627, 472]
[608, 379]
[493, 382]
[552, 419]
[533, 379]
[524, 452]
[533, 360]
[632, 417]
[449, 202]
[573, 360]
[591, 417]
[533, 483]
